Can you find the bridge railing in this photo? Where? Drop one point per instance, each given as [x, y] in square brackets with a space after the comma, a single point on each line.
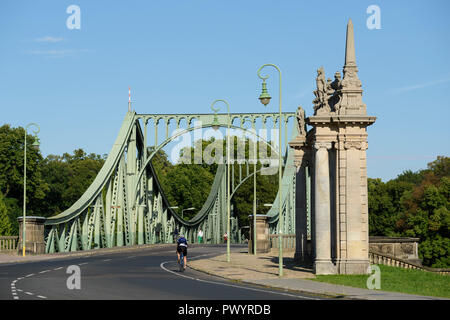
[288, 242]
[8, 243]
[388, 260]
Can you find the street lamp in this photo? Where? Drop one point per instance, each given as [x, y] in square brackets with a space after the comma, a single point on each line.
[36, 147]
[254, 203]
[182, 211]
[265, 99]
[215, 126]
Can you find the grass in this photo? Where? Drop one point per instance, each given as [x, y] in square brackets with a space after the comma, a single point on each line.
[398, 280]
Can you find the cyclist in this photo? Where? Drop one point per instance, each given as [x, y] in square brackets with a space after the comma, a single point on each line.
[182, 247]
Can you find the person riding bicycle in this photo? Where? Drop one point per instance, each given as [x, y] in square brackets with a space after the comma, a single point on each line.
[182, 247]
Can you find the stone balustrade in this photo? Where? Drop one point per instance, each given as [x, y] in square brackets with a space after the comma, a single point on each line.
[388, 260]
[288, 242]
[8, 243]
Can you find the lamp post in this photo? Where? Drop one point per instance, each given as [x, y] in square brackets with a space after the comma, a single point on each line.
[265, 99]
[215, 122]
[36, 146]
[182, 211]
[255, 247]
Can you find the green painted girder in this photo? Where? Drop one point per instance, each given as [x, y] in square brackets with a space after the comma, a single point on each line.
[126, 205]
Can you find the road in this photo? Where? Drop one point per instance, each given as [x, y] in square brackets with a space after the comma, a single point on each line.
[148, 274]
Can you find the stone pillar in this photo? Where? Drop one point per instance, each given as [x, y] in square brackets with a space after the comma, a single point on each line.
[262, 234]
[354, 258]
[322, 262]
[34, 235]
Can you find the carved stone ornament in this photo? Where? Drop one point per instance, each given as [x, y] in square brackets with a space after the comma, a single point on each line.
[320, 102]
[322, 144]
[359, 145]
[301, 121]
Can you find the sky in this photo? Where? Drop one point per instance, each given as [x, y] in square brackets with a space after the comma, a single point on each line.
[179, 56]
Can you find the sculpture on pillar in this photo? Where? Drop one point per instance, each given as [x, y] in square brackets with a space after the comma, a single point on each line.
[320, 102]
[335, 100]
[301, 121]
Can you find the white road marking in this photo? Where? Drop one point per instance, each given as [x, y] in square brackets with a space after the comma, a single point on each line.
[44, 271]
[30, 275]
[42, 297]
[58, 268]
[16, 298]
[80, 264]
[29, 293]
[107, 260]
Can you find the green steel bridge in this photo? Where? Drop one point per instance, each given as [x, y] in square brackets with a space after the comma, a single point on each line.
[126, 205]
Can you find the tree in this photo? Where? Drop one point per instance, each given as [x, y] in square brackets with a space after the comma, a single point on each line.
[68, 177]
[5, 223]
[427, 217]
[11, 168]
[415, 204]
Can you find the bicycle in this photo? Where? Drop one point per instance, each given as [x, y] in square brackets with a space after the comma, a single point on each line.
[181, 262]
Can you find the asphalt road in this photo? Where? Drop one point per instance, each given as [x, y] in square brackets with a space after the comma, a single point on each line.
[139, 275]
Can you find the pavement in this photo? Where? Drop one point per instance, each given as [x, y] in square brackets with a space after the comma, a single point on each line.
[260, 270]
[129, 273]
[263, 270]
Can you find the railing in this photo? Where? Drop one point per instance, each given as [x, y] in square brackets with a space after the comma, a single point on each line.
[376, 258]
[8, 243]
[288, 242]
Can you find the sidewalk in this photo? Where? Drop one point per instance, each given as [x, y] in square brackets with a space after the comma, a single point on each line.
[263, 270]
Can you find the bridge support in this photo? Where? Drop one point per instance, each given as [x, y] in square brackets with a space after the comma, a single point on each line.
[339, 208]
[262, 234]
[34, 235]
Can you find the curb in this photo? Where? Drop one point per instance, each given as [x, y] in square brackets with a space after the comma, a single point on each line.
[326, 295]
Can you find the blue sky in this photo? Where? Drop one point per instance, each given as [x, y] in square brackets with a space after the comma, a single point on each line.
[179, 56]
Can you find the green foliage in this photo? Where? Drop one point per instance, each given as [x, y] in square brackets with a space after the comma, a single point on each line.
[5, 223]
[415, 204]
[14, 211]
[68, 177]
[12, 168]
[188, 185]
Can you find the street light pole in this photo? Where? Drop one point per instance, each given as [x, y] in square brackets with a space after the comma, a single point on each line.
[35, 144]
[183, 210]
[254, 202]
[265, 99]
[228, 173]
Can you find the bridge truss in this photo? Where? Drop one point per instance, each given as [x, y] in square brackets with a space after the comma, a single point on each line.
[126, 205]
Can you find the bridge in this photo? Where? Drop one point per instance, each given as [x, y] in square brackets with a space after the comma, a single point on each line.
[126, 204]
[322, 194]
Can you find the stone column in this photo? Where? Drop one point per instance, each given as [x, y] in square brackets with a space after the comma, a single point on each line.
[34, 235]
[322, 262]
